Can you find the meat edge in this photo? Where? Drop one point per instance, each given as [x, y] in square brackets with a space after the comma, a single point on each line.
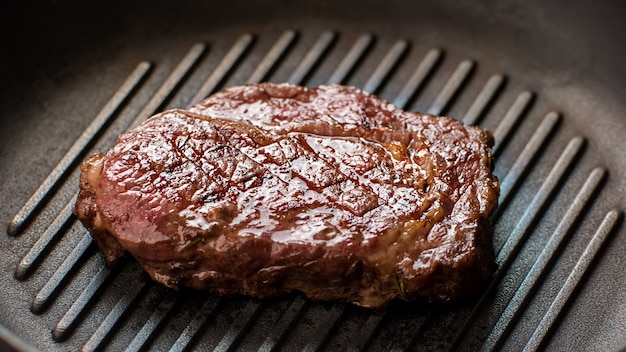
[87, 210]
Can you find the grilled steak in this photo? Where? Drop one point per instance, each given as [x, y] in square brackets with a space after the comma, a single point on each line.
[270, 188]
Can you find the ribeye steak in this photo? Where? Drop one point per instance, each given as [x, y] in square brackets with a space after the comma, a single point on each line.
[270, 188]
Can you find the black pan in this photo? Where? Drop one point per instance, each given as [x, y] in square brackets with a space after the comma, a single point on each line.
[547, 77]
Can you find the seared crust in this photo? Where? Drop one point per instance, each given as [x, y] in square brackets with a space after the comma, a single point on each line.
[270, 188]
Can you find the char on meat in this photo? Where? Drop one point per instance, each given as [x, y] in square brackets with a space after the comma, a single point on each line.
[269, 188]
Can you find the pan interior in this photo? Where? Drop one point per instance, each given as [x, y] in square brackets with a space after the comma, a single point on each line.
[545, 77]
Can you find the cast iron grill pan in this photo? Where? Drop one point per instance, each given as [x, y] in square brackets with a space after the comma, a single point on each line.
[551, 203]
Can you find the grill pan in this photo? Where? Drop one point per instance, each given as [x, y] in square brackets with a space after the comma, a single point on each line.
[546, 77]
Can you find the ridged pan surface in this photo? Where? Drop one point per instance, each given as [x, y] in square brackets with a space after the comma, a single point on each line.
[79, 75]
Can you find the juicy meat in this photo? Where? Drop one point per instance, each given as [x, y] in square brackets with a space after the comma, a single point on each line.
[265, 189]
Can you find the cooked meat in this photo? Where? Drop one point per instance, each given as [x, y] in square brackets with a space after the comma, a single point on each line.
[270, 188]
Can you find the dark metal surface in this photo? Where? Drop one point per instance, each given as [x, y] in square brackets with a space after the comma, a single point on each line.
[548, 78]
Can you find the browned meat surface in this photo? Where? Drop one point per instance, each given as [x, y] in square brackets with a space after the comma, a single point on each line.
[269, 188]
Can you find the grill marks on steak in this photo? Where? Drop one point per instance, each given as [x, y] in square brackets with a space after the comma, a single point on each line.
[270, 188]
[333, 110]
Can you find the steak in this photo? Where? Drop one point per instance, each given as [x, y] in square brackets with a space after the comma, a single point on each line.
[272, 188]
